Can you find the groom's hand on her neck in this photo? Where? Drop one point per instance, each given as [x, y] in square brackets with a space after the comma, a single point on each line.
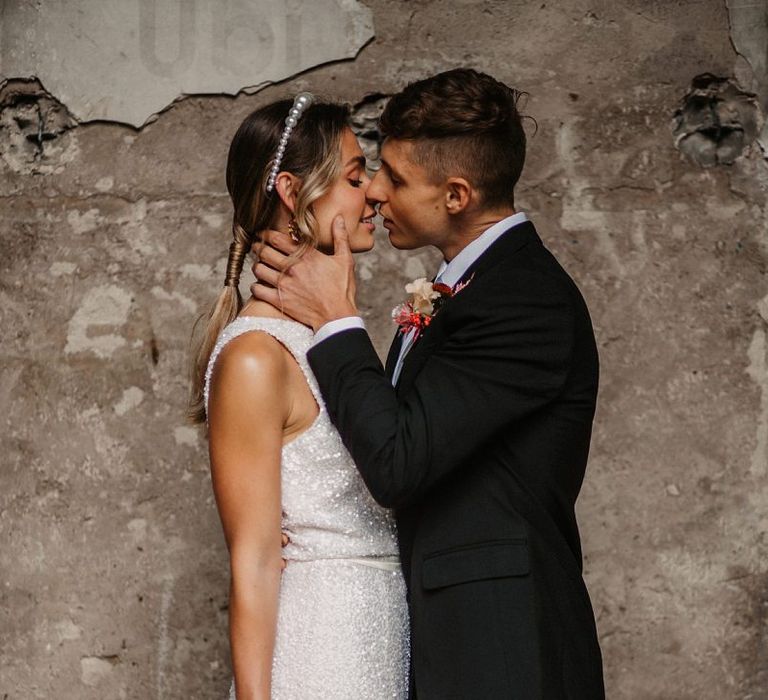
[313, 289]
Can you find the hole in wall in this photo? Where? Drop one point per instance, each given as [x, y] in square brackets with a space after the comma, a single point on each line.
[716, 121]
[365, 123]
[30, 120]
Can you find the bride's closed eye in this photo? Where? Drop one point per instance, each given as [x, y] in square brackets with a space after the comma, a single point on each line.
[355, 183]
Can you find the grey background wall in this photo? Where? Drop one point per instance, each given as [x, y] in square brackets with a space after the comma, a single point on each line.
[113, 569]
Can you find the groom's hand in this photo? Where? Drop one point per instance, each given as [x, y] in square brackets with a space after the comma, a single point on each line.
[316, 288]
[284, 541]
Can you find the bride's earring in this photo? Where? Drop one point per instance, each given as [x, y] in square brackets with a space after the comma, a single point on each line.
[293, 230]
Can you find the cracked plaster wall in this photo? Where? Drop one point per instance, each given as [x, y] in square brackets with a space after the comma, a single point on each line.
[126, 61]
[113, 570]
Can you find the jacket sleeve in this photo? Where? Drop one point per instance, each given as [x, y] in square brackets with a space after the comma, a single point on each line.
[498, 365]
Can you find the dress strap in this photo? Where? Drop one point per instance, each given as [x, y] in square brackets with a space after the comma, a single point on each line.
[292, 335]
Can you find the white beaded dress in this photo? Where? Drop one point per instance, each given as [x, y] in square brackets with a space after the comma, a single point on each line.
[342, 630]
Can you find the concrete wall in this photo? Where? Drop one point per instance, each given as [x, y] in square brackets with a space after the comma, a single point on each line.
[113, 570]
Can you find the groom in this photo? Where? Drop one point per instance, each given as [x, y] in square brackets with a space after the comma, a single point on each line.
[478, 430]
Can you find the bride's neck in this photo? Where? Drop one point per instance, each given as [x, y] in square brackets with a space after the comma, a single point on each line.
[256, 307]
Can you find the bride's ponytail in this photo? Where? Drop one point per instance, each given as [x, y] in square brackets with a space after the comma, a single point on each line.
[224, 311]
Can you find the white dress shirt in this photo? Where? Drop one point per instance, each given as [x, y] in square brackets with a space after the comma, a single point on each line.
[449, 273]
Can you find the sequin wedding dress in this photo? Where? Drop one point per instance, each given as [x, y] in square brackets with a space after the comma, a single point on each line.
[342, 631]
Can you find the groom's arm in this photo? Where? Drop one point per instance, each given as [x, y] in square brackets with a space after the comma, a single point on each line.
[341, 324]
[501, 364]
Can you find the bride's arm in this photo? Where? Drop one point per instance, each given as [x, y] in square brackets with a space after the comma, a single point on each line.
[248, 408]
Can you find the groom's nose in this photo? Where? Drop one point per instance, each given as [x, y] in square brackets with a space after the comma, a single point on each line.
[375, 193]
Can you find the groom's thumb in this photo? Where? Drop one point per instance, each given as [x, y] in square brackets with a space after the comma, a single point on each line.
[340, 236]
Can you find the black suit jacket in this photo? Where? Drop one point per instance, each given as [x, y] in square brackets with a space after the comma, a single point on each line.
[481, 450]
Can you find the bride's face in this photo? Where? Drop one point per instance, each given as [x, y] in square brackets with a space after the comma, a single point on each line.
[347, 197]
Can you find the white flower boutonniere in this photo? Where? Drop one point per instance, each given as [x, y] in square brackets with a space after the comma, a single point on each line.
[426, 300]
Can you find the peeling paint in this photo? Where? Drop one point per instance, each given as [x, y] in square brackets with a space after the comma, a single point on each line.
[178, 297]
[138, 529]
[151, 53]
[578, 210]
[196, 271]
[214, 220]
[758, 371]
[66, 630]
[94, 670]
[62, 268]
[84, 222]
[762, 308]
[105, 184]
[101, 308]
[414, 268]
[186, 435]
[749, 34]
[164, 643]
[131, 398]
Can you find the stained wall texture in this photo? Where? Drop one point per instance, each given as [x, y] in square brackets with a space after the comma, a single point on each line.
[113, 570]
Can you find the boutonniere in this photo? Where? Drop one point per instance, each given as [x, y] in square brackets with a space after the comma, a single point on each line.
[426, 299]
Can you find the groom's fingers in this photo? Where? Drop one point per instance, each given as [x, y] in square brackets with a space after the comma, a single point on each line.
[264, 293]
[274, 258]
[263, 273]
[277, 239]
[256, 247]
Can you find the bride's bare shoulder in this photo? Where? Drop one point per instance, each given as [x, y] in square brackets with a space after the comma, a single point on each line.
[249, 375]
[253, 355]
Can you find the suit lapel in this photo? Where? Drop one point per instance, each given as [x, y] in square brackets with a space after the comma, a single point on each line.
[507, 244]
[418, 354]
[394, 353]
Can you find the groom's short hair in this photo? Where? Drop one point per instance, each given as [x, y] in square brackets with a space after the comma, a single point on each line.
[462, 123]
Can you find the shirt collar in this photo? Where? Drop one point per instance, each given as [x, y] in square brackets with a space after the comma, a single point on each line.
[451, 272]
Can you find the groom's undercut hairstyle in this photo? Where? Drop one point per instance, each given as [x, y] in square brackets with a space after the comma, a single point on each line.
[462, 123]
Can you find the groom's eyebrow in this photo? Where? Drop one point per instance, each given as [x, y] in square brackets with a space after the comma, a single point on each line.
[390, 169]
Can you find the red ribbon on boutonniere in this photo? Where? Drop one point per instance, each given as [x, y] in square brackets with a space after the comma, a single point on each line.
[426, 299]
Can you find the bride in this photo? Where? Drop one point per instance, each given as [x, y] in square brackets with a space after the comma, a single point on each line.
[334, 624]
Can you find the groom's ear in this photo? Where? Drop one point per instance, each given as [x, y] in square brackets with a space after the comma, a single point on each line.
[458, 195]
[286, 186]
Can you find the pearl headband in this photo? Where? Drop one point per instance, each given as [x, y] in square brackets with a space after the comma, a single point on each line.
[302, 101]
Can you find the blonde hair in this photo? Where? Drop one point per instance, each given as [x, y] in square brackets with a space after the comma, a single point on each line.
[313, 155]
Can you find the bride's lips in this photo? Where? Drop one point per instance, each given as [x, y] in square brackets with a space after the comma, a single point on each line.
[367, 221]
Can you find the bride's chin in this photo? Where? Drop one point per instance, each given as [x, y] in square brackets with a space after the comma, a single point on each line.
[362, 243]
